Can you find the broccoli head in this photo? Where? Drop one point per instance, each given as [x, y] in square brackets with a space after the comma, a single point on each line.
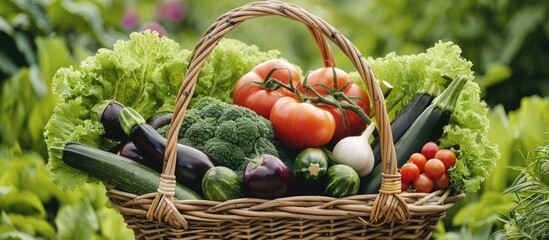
[229, 133]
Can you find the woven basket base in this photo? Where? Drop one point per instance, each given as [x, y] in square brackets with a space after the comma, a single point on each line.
[344, 219]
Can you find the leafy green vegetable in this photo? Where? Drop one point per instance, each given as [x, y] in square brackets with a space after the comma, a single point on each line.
[467, 133]
[229, 133]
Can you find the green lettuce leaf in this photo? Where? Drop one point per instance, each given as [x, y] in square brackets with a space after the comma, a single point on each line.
[418, 73]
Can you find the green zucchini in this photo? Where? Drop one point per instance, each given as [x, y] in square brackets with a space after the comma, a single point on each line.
[119, 171]
[428, 127]
[342, 181]
[310, 165]
[221, 184]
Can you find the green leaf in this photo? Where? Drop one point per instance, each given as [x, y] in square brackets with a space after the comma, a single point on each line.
[77, 221]
[484, 212]
[23, 202]
[112, 225]
[35, 11]
[35, 227]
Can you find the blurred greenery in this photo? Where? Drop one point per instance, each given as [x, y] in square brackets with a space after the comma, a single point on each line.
[506, 40]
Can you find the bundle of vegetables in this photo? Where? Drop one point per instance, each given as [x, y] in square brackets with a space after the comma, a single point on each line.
[144, 73]
[290, 134]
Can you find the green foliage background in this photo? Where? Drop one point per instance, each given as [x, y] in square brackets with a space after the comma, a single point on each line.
[506, 40]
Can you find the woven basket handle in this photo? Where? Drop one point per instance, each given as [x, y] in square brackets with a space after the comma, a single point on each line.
[388, 204]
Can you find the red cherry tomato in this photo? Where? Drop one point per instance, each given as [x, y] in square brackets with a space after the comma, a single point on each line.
[258, 98]
[429, 150]
[419, 160]
[324, 77]
[423, 184]
[409, 172]
[447, 156]
[442, 183]
[301, 125]
[434, 168]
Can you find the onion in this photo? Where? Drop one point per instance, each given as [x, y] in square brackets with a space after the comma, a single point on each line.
[355, 152]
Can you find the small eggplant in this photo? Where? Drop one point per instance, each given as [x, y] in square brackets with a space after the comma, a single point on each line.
[108, 112]
[191, 164]
[129, 150]
[267, 177]
[160, 120]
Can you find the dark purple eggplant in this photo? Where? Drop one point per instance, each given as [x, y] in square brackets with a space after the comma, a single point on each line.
[191, 164]
[267, 177]
[129, 150]
[160, 120]
[108, 113]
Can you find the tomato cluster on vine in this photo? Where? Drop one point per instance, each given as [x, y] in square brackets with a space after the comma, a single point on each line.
[321, 109]
[427, 171]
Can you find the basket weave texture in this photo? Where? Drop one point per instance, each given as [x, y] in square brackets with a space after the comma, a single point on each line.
[389, 214]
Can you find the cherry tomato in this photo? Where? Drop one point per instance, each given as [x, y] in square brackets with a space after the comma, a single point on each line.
[419, 160]
[423, 184]
[409, 172]
[301, 125]
[429, 150]
[447, 156]
[325, 77]
[258, 98]
[442, 183]
[434, 168]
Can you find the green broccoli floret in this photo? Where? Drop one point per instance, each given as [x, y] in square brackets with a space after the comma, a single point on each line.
[228, 133]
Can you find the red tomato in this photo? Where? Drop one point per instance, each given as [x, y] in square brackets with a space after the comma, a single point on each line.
[258, 98]
[435, 168]
[324, 77]
[423, 184]
[442, 183]
[419, 160]
[301, 125]
[447, 156]
[409, 172]
[429, 150]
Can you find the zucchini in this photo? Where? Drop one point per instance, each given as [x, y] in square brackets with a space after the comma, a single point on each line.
[222, 184]
[310, 165]
[428, 127]
[121, 172]
[342, 181]
[403, 121]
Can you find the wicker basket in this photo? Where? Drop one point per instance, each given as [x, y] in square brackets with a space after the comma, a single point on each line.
[387, 215]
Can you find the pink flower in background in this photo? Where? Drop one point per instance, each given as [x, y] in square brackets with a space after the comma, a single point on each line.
[154, 27]
[130, 18]
[171, 10]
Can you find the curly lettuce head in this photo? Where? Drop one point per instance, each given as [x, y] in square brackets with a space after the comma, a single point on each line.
[145, 73]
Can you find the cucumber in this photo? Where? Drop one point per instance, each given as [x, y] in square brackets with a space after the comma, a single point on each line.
[123, 173]
[342, 181]
[310, 165]
[403, 121]
[221, 184]
[428, 127]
